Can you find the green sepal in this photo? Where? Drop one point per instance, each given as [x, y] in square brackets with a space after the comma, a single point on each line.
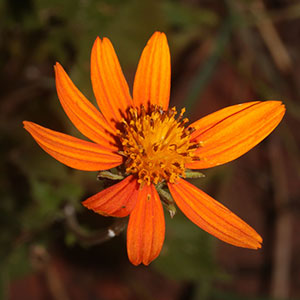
[193, 174]
[109, 175]
[167, 199]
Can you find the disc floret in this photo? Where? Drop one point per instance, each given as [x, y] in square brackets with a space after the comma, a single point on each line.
[156, 144]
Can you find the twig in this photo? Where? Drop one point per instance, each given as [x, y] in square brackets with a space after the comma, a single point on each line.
[272, 39]
[289, 13]
[41, 260]
[280, 281]
[96, 237]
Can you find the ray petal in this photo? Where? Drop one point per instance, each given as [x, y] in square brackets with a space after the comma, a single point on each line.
[87, 119]
[212, 216]
[117, 200]
[73, 152]
[146, 227]
[109, 85]
[231, 132]
[153, 75]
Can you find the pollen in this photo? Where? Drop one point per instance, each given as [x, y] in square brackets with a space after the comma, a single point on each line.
[156, 144]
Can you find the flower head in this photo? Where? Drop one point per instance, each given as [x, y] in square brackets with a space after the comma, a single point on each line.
[153, 145]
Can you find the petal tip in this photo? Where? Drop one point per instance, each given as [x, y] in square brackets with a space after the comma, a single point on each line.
[259, 246]
[26, 125]
[59, 70]
[255, 247]
[282, 106]
[57, 67]
[138, 261]
[158, 33]
[160, 36]
[134, 262]
[275, 103]
[253, 241]
[97, 42]
[106, 40]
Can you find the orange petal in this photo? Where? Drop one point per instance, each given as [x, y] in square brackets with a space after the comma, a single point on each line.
[229, 133]
[87, 119]
[212, 216]
[117, 200]
[109, 85]
[146, 227]
[153, 75]
[73, 152]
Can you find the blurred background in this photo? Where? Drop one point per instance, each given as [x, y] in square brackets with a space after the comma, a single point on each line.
[223, 53]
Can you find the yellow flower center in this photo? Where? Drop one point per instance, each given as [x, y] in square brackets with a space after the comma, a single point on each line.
[156, 144]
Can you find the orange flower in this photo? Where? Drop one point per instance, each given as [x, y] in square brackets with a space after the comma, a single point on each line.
[143, 137]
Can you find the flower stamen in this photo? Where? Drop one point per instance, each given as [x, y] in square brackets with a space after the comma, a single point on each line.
[157, 145]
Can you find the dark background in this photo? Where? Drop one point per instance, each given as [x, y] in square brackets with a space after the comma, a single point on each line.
[223, 53]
